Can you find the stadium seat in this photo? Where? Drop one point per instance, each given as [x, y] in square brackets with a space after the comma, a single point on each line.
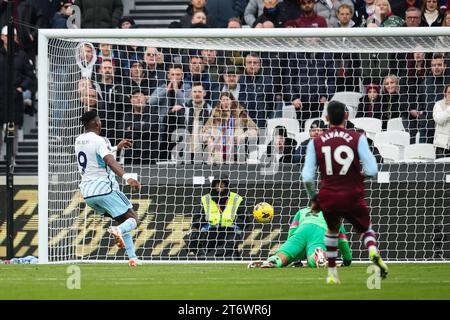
[395, 124]
[443, 160]
[372, 126]
[289, 112]
[301, 136]
[389, 152]
[350, 99]
[397, 138]
[419, 152]
[309, 122]
[292, 126]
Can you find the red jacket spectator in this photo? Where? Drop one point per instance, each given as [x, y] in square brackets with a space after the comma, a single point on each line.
[309, 19]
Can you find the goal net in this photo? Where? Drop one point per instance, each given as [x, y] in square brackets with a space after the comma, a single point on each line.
[202, 105]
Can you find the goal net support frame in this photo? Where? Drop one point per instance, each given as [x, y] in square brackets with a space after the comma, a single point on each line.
[264, 40]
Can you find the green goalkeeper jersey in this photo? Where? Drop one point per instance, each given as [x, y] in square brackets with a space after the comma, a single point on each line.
[306, 216]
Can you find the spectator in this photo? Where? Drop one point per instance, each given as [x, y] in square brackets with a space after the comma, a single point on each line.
[273, 12]
[129, 54]
[413, 17]
[317, 127]
[441, 116]
[196, 6]
[65, 10]
[370, 106]
[227, 131]
[308, 19]
[446, 20]
[235, 58]
[30, 18]
[431, 16]
[344, 16]
[383, 16]
[413, 77]
[252, 11]
[282, 148]
[100, 13]
[230, 84]
[213, 67]
[393, 104]
[86, 59]
[234, 23]
[218, 225]
[136, 78]
[199, 20]
[23, 80]
[225, 10]
[154, 69]
[196, 73]
[362, 11]
[127, 23]
[170, 96]
[400, 7]
[431, 91]
[110, 92]
[106, 51]
[194, 116]
[328, 10]
[257, 91]
[137, 126]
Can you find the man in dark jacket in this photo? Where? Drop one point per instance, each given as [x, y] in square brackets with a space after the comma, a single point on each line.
[65, 10]
[281, 147]
[257, 91]
[224, 10]
[195, 6]
[317, 127]
[218, 225]
[24, 80]
[100, 13]
[431, 91]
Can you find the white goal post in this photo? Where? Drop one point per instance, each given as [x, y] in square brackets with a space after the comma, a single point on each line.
[409, 200]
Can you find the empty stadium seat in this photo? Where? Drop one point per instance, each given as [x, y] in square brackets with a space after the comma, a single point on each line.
[443, 160]
[397, 138]
[309, 122]
[289, 112]
[395, 124]
[389, 152]
[420, 152]
[301, 136]
[350, 99]
[371, 126]
[292, 126]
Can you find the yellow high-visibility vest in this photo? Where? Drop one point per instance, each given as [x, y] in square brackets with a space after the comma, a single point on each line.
[213, 214]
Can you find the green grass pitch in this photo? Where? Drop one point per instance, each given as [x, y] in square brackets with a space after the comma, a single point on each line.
[220, 281]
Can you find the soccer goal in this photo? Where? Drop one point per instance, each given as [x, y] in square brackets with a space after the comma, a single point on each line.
[163, 88]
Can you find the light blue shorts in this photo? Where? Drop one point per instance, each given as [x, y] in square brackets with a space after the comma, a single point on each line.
[115, 204]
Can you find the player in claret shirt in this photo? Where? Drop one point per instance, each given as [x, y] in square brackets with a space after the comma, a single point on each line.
[339, 153]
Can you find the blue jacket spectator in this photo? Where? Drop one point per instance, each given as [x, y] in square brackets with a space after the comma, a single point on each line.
[224, 10]
[100, 13]
[65, 10]
[257, 91]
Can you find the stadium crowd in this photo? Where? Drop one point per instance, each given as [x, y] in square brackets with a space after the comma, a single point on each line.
[216, 102]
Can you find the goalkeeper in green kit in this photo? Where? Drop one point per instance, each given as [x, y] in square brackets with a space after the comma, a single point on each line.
[306, 241]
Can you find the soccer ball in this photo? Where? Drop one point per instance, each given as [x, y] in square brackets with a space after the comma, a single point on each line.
[263, 212]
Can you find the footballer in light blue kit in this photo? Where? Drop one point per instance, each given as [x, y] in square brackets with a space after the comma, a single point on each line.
[99, 187]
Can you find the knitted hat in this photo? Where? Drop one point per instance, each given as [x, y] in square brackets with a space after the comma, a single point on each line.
[318, 124]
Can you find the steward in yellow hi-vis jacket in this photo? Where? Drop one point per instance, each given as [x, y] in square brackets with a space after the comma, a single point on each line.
[218, 224]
